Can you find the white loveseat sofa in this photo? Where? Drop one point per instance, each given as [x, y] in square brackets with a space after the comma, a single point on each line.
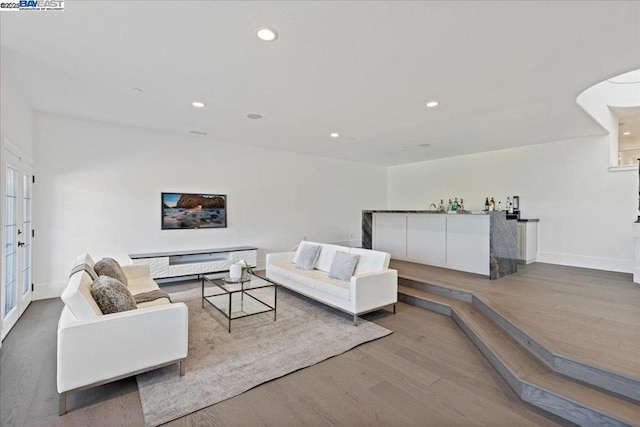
[95, 349]
[372, 286]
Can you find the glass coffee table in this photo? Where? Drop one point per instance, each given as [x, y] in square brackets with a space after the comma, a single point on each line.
[237, 298]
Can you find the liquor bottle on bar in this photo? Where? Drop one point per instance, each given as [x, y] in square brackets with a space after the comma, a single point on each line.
[454, 207]
[461, 205]
[486, 204]
[492, 205]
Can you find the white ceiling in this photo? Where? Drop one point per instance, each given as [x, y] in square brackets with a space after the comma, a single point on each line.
[506, 73]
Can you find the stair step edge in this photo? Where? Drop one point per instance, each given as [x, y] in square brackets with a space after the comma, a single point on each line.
[516, 378]
[598, 377]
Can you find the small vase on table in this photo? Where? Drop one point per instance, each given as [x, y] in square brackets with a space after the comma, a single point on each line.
[235, 272]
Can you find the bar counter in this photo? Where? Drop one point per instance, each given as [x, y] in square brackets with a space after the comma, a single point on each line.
[473, 241]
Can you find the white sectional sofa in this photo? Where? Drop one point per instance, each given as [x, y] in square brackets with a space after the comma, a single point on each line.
[95, 349]
[372, 286]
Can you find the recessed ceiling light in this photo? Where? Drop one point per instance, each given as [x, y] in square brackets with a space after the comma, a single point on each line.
[254, 116]
[432, 104]
[334, 135]
[424, 145]
[266, 34]
[197, 132]
[198, 104]
[626, 133]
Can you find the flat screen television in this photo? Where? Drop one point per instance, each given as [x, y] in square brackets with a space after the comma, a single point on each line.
[186, 211]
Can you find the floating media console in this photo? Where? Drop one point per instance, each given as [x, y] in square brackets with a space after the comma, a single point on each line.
[195, 262]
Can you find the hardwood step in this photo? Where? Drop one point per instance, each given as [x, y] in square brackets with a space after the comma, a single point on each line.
[581, 370]
[528, 376]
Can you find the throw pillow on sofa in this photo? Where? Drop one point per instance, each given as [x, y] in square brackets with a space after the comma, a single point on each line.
[343, 266]
[110, 267]
[307, 257]
[111, 295]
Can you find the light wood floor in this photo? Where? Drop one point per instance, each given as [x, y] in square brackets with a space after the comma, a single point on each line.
[588, 315]
[426, 373]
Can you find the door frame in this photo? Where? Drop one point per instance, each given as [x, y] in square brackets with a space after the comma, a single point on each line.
[22, 163]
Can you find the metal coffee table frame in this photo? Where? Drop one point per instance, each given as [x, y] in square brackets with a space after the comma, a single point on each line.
[233, 287]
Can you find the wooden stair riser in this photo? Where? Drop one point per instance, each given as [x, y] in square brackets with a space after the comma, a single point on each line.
[592, 375]
[433, 306]
[567, 408]
[606, 380]
[600, 378]
[555, 403]
[493, 358]
[436, 289]
[529, 343]
[537, 396]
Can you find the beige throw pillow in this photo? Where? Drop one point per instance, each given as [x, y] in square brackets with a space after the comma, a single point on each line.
[110, 267]
[111, 295]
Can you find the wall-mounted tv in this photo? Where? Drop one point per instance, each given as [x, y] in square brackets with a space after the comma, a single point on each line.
[184, 210]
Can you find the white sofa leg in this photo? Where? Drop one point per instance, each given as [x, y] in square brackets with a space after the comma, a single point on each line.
[62, 404]
[182, 368]
[355, 320]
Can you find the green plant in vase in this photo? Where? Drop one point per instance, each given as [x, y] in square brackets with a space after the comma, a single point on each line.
[246, 267]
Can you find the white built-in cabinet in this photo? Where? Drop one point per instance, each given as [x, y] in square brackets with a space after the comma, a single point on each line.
[390, 234]
[194, 263]
[426, 238]
[459, 242]
[527, 241]
[468, 244]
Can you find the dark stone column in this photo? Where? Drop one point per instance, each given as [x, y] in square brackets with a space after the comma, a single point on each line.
[502, 244]
[367, 224]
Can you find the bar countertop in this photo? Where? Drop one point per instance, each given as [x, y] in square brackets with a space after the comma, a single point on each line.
[434, 212]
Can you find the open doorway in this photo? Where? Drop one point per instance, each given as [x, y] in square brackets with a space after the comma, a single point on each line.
[628, 135]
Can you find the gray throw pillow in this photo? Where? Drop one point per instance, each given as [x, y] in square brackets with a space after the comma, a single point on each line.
[307, 257]
[343, 266]
[111, 295]
[110, 267]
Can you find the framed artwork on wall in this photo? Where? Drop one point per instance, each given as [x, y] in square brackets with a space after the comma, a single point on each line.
[182, 211]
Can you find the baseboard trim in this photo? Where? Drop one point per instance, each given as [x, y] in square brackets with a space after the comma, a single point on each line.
[598, 263]
[48, 290]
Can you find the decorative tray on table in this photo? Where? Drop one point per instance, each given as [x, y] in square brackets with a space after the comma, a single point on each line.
[243, 278]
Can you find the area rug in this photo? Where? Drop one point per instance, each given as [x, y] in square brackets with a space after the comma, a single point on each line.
[221, 365]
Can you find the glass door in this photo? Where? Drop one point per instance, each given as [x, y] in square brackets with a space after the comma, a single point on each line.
[16, 293]
[24, 240]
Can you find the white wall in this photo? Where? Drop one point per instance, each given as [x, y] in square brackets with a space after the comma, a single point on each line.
[98, 190]
[585, 211]
[16, 116]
